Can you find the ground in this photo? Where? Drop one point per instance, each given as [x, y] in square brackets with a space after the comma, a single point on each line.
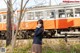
[49, 46]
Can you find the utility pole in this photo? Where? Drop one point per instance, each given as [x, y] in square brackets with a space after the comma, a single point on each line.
[9, 25]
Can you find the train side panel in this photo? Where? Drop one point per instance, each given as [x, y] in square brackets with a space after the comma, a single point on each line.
[66, 23]
[2, 26]
[48, 24]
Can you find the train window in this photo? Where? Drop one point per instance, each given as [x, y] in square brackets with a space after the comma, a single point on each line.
[4, 18]
[50, 14]
[77, 12]
[0, 18]
[69, 12]
[61, 13]
[30, 15]
[25, 16]
[39, 15]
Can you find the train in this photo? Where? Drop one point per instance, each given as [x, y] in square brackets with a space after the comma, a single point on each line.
[56, 18]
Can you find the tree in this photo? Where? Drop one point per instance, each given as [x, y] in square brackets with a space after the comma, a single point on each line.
[9, 26]
[10, 30]
[22, 12]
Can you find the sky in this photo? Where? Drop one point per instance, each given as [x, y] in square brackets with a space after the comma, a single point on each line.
[31, 3]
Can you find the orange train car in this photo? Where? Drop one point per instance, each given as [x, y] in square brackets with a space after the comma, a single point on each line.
[56, 18]
[48, 24]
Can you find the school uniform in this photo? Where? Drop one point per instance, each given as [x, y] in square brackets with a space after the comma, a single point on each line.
[37, 40]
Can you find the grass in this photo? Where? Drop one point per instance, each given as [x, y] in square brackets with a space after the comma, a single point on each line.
[2, 43]
[51, 46]
[47, 49]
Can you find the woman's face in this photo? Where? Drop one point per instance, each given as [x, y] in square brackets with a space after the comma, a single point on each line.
[39, 24]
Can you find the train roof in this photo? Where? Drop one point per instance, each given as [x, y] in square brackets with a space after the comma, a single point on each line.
[62, 5]
[3, 9]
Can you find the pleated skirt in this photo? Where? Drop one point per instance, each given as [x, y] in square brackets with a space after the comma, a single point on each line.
[36, 48]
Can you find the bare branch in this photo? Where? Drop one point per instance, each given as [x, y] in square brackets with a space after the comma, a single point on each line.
[14, 2]
[25, 4]
[5, 1]
[22, 12]
[18, 24]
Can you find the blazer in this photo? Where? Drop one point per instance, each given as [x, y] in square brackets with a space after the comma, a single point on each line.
[38, 36]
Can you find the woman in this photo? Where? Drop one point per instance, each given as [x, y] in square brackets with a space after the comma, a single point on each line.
[37, 40]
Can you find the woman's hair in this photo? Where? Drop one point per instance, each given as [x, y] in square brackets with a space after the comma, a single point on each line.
[41, 22]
